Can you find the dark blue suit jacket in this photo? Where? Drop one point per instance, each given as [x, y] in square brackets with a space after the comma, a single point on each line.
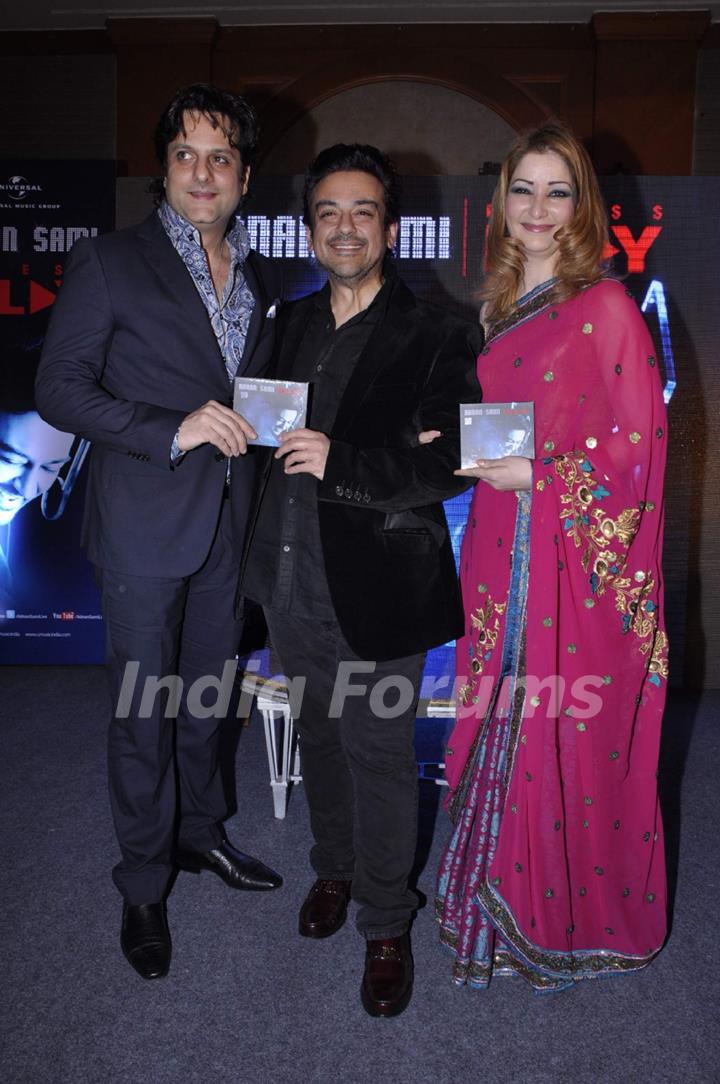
[128, 354]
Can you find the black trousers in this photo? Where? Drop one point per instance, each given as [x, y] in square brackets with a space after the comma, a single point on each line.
[164, 774]
[358, 765]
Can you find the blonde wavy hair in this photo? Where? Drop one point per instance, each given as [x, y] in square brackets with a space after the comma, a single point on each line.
[581, 242]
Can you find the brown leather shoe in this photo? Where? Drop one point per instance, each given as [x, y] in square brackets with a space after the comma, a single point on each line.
[325, 908]
[388, 980]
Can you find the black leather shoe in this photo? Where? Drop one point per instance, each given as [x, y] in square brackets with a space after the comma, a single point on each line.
[145, 939]
[325, 908]
[388, 980]
[236, 869]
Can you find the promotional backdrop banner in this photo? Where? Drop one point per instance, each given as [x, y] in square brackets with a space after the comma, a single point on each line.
[49, 606]
[664, 251]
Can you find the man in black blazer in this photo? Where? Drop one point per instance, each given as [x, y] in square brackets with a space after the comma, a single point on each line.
[150, 327]
[350, 553]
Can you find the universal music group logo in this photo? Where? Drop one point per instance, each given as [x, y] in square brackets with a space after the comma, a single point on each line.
[18, 188]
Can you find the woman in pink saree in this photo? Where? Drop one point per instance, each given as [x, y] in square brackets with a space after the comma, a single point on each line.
[555, 870]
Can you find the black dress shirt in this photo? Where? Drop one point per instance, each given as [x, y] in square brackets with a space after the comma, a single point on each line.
[285, 569]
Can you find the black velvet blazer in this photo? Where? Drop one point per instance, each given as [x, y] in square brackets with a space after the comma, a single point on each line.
[385, 539]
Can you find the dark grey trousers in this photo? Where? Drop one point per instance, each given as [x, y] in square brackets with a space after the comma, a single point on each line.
[358, 767]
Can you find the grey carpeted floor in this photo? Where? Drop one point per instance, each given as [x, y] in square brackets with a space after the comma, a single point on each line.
[247, 1000]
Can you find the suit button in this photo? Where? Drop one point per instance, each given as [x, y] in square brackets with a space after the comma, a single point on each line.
[219, 456]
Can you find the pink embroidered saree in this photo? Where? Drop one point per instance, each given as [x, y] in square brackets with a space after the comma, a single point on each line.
[556, 869]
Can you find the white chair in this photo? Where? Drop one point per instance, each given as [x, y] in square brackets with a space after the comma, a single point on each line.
[281, 741]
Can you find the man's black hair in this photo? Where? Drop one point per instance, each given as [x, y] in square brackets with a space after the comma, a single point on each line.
[363, 158]
[214, 105]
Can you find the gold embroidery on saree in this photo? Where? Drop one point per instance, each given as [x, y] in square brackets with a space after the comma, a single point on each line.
[582, 964]
[534, 305]
[604, 542]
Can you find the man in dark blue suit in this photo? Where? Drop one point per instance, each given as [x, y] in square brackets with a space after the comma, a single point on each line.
[150, 328]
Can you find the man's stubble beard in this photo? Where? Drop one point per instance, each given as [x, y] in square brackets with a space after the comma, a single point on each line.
[358, 276]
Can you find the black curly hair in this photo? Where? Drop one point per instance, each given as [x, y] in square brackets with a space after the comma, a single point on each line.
[360, 157]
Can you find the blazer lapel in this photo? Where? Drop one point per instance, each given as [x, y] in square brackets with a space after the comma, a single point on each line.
[177, 280]
[293, 322]
[257, 319]
[388, 339]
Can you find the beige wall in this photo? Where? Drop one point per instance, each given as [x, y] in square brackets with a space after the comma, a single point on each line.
[426, 129]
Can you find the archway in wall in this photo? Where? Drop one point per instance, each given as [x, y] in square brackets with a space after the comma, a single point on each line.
[427, 129]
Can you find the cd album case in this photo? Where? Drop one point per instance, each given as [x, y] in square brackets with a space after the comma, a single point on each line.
[493, 430]
[272, 407]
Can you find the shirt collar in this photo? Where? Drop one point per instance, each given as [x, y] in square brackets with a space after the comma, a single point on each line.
[375, 312]
[179, 229]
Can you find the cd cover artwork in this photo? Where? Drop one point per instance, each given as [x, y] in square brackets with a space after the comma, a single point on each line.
[272, 407]
[494, 430]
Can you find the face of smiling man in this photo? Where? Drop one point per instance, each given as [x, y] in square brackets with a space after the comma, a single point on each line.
[348, 235]
[205, 179]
